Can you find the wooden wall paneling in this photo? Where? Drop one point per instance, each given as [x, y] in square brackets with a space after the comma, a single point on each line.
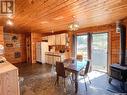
[70, 43]
[18, 46]
[1, 35]
[58, 13]
[28, 48]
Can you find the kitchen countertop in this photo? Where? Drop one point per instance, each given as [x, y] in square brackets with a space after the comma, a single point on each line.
[6, 66]
[54, 53]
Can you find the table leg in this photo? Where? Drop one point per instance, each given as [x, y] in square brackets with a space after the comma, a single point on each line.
[76, 82]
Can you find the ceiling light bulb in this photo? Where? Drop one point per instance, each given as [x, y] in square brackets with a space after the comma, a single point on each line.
[73, 26]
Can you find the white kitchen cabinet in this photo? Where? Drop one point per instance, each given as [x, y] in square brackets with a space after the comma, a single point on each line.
[58, 58]
[58, 39]
[46, 58]
[63, 39]
[51, 40]
[52, 58]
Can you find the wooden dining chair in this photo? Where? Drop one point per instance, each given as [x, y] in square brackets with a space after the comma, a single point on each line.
[85, 72]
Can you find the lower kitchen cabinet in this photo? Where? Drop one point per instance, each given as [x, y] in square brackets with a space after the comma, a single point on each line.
[52, 58]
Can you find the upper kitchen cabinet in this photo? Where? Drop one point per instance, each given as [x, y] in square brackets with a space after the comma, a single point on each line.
[51, 40]
[63, 38]
[58, 39]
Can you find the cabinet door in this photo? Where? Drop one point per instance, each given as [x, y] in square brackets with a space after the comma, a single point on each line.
[53, 39]
[58, 58]
[49, 40]
[46, 58]
[63, 39]
[9, 84]
[57, 37]
[50, 59]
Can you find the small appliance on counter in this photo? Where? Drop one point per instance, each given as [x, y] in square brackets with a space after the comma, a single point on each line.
[2, 59]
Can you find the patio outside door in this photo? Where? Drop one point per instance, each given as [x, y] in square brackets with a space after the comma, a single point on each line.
[99, 51]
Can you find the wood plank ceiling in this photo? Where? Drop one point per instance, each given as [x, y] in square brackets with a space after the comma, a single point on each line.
[46, 15]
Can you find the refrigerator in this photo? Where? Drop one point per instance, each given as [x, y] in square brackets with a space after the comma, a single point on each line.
[41, 48]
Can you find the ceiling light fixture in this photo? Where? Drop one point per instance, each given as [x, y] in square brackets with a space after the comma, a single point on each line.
[9, 22]
[74, 25]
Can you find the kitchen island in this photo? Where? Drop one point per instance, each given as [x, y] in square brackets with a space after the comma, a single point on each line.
[9, 84]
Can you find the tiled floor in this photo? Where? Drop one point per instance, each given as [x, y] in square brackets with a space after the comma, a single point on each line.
[38, 80]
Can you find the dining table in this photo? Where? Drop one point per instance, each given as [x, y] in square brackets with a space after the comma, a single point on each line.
[75, 66]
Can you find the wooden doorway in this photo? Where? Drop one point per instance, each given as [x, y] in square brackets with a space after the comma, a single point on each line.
[28, 48]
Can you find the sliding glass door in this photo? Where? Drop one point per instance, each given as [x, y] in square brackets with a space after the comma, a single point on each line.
[99, 51]
[94, 47]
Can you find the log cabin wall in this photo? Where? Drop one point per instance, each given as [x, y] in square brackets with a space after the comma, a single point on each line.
[1, 35]
[35, 37]
[15, 47]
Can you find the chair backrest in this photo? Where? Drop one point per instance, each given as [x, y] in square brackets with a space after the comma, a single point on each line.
[87, 67]
[79, 57]
[60, 69]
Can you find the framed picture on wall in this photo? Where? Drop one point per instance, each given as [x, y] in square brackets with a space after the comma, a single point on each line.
[14, 38]
[17, 54]
[7, 7]
[7, 37]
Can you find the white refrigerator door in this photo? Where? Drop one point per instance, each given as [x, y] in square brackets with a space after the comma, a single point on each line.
[44, 48]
